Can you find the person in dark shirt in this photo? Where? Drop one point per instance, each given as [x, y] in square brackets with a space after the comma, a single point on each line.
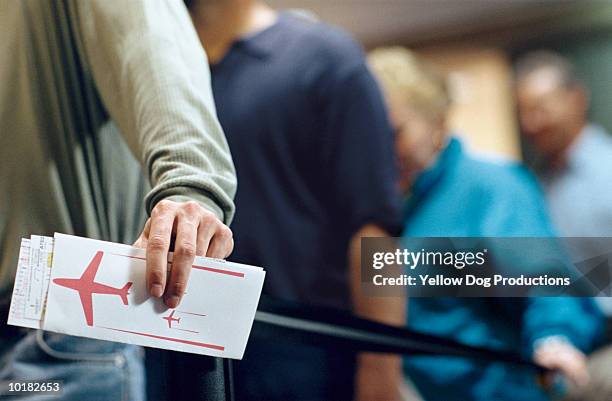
[313, 150]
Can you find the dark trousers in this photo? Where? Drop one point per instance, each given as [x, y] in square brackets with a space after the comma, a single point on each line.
[177, 376]
[273, 370]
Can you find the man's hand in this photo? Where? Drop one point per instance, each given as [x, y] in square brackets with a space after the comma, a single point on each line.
[194, 231]
[562, 356]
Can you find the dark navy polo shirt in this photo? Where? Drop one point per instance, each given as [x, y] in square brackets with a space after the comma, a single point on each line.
[313, 152]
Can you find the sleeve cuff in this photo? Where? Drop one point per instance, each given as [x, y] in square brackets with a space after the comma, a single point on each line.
[203, 200]
[552, 335]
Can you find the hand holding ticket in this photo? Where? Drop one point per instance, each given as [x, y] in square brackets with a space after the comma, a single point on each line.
[97, 289]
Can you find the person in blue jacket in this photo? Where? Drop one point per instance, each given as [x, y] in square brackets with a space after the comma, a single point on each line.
[452, 194]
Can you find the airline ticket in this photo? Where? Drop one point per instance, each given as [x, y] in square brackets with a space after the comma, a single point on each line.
[97, 289]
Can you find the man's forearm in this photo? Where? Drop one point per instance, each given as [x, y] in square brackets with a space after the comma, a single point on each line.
[378, 375]
[152, 75]
[389, 310]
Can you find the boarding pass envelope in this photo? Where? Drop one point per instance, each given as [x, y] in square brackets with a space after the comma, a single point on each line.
[97, 289]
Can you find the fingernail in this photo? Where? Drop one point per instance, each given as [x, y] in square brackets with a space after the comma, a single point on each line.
[173, 301]
[157, 290]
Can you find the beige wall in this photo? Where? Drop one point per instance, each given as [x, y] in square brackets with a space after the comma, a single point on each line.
[483, 111]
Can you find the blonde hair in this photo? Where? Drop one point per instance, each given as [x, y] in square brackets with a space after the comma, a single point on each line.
[401, 73]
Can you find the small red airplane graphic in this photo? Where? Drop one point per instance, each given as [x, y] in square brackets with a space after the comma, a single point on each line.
[86, 287]
[170, 318]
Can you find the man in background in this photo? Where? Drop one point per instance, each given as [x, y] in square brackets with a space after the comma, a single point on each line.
[573, 160]
[571, 155]
[313, 150]
[70, 71]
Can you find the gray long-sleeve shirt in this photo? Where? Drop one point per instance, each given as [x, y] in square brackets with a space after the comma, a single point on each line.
[105, 108]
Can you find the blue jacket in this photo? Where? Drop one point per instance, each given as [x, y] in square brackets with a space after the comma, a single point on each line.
[463, 197]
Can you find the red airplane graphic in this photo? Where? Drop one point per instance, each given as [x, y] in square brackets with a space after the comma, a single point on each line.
[86, 286]
[170, 318]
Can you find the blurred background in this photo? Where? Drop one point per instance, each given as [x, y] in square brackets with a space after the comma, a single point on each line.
[476, 42]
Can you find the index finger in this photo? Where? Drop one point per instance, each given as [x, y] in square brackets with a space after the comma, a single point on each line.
[184, 254]
[162, 220]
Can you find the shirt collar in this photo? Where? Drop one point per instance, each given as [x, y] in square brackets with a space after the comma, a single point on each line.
[263, 44]
[575, 155]
[446, 160]
[582, 145]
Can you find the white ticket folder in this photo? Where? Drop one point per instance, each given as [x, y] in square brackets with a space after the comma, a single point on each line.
[98, 290]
